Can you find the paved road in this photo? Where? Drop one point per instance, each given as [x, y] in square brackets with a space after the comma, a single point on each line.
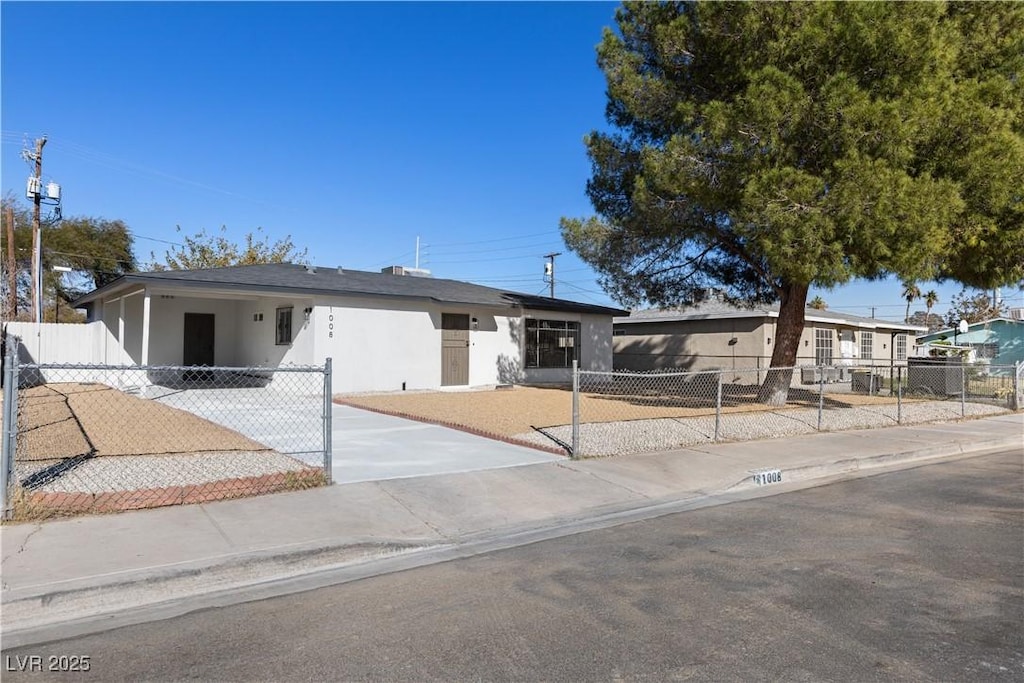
[914, 575]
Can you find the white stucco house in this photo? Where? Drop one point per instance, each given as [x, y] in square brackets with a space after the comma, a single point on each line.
[384, 331]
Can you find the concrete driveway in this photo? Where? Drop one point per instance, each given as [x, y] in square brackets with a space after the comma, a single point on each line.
[366, 446]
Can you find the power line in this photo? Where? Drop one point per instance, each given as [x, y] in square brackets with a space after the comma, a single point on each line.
[484, 260]
[110, 161]
[535, 247]
[490, 241]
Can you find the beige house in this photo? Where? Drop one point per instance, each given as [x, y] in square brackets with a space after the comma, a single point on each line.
[716, 335]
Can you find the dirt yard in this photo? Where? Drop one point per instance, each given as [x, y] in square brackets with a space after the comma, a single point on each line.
[510, 412]
[89, 448]
[64, 420]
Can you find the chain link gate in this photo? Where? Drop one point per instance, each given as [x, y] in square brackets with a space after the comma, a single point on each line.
[104, 438]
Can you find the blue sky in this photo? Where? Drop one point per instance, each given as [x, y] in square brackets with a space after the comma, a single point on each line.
[352, 127]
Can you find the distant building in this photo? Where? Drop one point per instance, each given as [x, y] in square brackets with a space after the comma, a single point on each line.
[998, 341]
[716, 335]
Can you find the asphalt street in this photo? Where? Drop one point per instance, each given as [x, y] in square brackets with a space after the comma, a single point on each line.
[912, 575]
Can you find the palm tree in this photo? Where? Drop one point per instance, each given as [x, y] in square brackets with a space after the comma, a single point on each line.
[930, 299]
[910, 292]
[817, 303]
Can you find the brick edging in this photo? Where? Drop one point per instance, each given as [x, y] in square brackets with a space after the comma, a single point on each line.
[41, 503]
[453, 425]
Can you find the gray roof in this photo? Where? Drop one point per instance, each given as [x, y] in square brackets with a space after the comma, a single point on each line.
[288, 278]
[718, 310]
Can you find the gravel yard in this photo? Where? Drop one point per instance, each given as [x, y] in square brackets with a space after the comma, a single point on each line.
[659, 434]
[91, 448]
[619, 424]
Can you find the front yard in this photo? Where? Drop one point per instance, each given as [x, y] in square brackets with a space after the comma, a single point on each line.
[86, 447]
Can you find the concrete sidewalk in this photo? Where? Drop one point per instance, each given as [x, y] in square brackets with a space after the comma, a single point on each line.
[78, 570]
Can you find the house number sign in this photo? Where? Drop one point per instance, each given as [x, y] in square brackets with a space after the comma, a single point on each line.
[763, 477]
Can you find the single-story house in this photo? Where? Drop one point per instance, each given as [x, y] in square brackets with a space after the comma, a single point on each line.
[997, 341]
[715, 335]
[385, 331]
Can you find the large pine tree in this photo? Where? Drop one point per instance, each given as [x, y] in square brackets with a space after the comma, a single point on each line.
[761, 148]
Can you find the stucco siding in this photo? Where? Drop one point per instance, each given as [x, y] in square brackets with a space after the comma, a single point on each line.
[380, 349]
[691, 345]
[167, 328]
[735, 343]
[256, 325]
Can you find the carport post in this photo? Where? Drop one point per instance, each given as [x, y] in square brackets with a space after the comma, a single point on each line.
[575, 409]
[328, 429]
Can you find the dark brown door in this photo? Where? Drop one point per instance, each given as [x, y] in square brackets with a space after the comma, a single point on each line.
[454, 349]
[198, 339]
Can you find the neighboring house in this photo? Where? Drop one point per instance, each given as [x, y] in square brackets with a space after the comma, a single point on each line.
[998, 341]
[716, 335]
[384, 331]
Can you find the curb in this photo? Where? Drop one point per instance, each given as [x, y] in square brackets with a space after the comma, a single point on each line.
[30, 614]
[36, 607]
[853, 465]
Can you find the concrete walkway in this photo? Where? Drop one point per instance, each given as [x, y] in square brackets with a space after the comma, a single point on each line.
[367, 446]
[89, 572]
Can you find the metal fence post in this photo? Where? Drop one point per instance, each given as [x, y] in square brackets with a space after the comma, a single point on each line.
[718, 405]
[899, 396]
[1018, 399]
[575, 409]
[821, 393]
[328, 423]
[963, 389]
[10, 428]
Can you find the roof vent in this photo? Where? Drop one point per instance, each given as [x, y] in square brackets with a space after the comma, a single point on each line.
[417, 272]
[311, 270]
[340, 271]
[393, 270]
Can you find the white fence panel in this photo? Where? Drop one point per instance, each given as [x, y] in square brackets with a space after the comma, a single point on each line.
[60, 342]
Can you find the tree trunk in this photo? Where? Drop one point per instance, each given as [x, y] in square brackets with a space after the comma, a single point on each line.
[790, 327]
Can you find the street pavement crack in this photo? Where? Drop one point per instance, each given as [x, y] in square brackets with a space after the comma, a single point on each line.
[21, 548]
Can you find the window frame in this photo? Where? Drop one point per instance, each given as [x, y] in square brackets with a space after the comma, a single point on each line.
[282, 310]
[824, 345]
[538, 355]
[901, 347]
[867, 345]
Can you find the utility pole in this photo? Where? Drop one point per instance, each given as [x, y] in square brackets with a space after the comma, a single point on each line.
[12, 269]
[549, 270]
[36, 190]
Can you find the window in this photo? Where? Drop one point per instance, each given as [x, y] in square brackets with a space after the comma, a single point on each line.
[822, 346]
[284, 326]
[901, 347]
[551, 343]
[867, 345]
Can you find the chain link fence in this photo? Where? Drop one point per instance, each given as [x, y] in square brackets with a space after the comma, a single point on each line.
[102, 438]
[630, 412]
